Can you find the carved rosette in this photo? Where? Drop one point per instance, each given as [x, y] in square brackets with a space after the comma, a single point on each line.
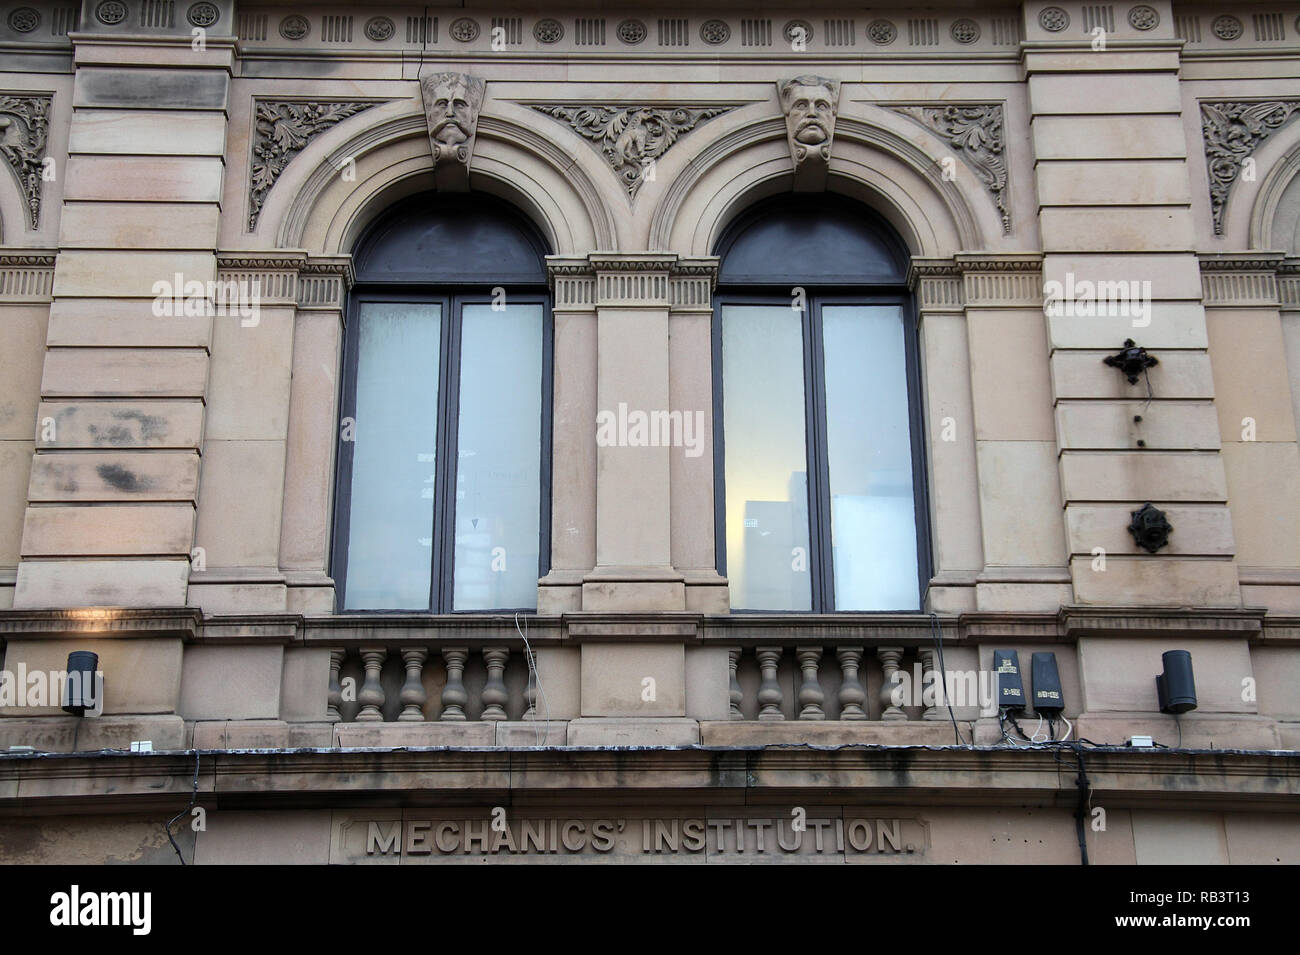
[632, 138]
[452, 102]
[810, 104]
[974, 131]
[281, 130]
[1232, 132]
[24, 129]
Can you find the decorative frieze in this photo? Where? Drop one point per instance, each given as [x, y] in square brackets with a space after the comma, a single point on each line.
[1232, 132]
[24, 130]
[281, 130]
[977, 281]
[632, 138]
[26, 276]
[289, 278]
[648, 279]
[1241, 280]
[975, 132]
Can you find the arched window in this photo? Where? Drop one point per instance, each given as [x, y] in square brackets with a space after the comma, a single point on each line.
[444, 465]
[820, 498]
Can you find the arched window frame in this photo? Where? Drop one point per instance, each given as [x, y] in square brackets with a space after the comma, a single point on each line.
[452, 287]
[832, 289]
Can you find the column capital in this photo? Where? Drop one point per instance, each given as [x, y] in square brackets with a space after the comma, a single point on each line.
[633, 280]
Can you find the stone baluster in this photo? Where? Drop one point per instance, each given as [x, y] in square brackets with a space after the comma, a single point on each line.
[371, 695]
[769, 690]
[852, 693]
[334, 701]
[413, 695]
[811, 695]
[495, 696]
[889, 659]
[931, 678]
[737, 696]
[454, 696]
[530, 691]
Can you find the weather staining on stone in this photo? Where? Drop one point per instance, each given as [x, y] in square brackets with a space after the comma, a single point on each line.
[810, 104]
[281, 131]
[452, 102]
[974, 131]
[24, 129]
[632, 138]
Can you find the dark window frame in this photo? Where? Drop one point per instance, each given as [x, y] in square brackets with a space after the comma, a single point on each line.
[821, 566]
[452, 298]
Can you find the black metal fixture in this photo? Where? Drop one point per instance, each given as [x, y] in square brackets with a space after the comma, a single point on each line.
[80, 688]
[1150, 528]
[1132, 361]
[1176, 686]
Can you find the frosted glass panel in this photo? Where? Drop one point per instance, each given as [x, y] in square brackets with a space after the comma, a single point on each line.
[869, 454]
[766, 458]
[391, 518]
[498, 479]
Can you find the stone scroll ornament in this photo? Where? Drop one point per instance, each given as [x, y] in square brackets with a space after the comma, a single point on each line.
[810, 104]
[1232, 131]
[632, 138]
[974, 131]
[24, 128]
[281, 131]
[452, 102]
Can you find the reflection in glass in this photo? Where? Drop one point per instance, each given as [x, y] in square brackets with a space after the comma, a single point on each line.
[391, 509]
[499, 467]
[869, 455]
[766, 458]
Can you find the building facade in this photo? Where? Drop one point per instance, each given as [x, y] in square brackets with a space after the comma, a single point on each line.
[495, 432]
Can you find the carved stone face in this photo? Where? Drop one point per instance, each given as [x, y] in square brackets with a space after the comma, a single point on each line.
[811, 111]
[452, 109]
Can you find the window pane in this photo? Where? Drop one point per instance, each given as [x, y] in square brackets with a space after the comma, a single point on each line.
[498, 481]
[869, 450]
[390, 533]
[766, 458]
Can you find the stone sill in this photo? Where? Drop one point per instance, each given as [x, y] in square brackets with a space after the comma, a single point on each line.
[913, 775]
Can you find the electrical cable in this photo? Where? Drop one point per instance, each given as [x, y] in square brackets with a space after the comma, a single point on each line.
[937, 637]
[537, 682]
[194, 795]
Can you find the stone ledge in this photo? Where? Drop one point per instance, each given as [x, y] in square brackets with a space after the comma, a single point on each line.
[832, 733]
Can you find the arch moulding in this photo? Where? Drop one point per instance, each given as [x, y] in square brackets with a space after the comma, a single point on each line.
[314, 208]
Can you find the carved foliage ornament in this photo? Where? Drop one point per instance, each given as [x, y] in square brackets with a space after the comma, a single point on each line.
[1232, 131]
[24, 127]
[975, 133]
[281, 131]
[810, 104]
[452, 102]
[631, 138]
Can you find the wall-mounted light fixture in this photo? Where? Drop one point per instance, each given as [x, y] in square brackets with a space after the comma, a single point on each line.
[1176, 687]
[1150, 527]
[82, 690]
[1133, 360]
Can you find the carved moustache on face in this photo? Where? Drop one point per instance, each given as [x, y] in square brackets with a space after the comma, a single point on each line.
[453, 109]
[813, 111]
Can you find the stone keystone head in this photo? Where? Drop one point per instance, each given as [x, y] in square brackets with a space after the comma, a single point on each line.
[810, 104]
[451, 106]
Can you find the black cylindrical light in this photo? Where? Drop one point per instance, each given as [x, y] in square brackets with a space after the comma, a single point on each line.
[79, 688]
[1176, 687]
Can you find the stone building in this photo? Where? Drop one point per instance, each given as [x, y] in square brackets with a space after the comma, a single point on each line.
[581, 434]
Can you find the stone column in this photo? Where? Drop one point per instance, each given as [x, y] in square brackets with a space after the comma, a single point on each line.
[1112, 173]
[633, 569]
[114, 486]
[956, 539]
